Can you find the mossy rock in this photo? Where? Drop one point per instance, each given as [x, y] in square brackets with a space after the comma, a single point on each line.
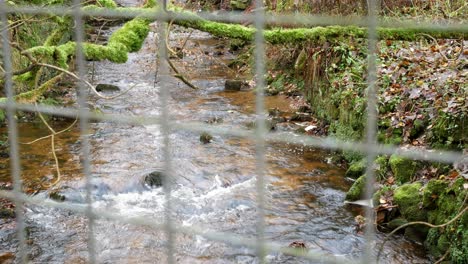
[357, 190]
[432, 191]
[408, 199]
[403, 169]
[356, 169]
[444, 198]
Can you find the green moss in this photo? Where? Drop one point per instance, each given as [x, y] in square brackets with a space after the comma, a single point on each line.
[418, 128]
[356, 169]
[299, 35]
[449, 131]
[445, 200]
[356, 191]
[403, 169]
[131, 35]
[129, 38]
[408, 199]
[432, 191]
[106, 3]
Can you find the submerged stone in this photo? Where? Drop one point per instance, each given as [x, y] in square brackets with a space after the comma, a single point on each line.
[102, 87]
[56, 196]
[154, 179]
[233, 85]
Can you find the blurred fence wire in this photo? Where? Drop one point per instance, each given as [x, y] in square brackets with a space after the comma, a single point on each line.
[259, 18]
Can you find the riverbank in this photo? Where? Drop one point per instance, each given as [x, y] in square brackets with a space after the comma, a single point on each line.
[422, 104]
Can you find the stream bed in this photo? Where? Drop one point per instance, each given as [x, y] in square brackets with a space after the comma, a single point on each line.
[214, 184]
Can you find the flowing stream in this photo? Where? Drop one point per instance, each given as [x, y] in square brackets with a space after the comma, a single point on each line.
[214, 184]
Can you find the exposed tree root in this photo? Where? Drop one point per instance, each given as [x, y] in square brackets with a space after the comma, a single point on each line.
[419, 223]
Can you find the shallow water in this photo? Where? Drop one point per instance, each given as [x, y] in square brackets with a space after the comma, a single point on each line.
[213, 184]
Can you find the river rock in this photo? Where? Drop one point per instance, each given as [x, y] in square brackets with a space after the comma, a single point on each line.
[233, 85]
[301, 117]
[205, 138]
[56, 196]
[102, 87]
[154, 179]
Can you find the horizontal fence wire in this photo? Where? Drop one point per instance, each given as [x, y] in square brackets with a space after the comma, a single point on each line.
[307, 20]
[260, 18]
[305, 140]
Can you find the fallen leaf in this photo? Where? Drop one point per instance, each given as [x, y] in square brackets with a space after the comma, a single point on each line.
[415, 93]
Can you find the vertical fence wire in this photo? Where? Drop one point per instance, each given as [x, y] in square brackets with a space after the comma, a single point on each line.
[371, 127]
[260, 131]
[163, 73]
[84, 126]
[13, 134]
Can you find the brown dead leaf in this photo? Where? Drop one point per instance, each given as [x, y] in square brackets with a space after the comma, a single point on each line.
[453, 174]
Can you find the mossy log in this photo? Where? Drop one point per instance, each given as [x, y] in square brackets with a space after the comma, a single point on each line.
[297, 35]
[128, 38]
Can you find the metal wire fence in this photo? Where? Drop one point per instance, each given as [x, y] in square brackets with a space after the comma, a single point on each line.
[369, 147]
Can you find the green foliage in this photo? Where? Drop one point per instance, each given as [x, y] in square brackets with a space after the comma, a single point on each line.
[449, 130]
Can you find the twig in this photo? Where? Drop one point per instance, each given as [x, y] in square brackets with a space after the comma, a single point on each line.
[439, 48]
[85, 82]
[93, 71]
[180, 76]
[185, 41]
[48, 136]
[52, 145]
[443, 257]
